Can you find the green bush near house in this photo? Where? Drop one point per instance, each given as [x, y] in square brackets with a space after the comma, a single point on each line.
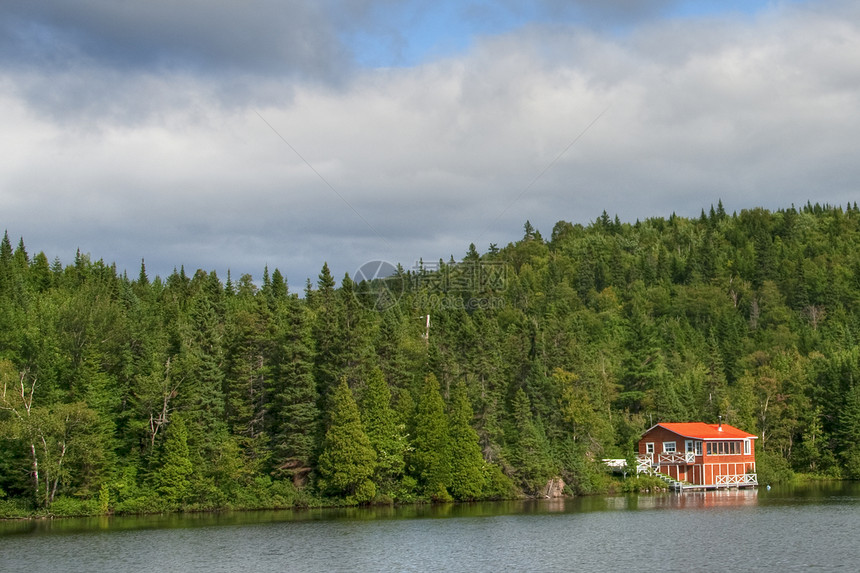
[642, 484]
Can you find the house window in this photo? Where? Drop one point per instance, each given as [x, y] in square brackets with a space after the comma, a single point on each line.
[688, 446]
[698, 447]
[649, 447]
[669, 447]
[727, 448]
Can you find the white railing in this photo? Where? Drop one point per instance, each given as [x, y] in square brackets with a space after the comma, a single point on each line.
[739, 479]
[677, 458]
[644, 463]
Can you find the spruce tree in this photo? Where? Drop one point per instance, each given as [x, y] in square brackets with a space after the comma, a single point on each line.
[385, 434]
[467, 463]
[248, 368]
[171, 478]
[849, 432]
[328, 335]
[294, 419]
[347, 461]
[200, 397]
[529, 450]
[431, 459]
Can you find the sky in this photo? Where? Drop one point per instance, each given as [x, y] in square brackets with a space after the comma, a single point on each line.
[288, 133]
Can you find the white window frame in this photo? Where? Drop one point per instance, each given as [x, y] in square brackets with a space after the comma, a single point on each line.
[698, 447]
[746, 446]
[649, 447]
[669, 447]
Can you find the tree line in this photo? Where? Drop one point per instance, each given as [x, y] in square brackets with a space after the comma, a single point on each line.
[542, 357]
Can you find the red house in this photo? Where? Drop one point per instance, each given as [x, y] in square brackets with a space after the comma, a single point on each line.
[699, 455]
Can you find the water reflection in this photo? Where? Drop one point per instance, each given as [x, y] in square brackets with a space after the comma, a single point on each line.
[783, 530]
[724, 498]
[818, 493]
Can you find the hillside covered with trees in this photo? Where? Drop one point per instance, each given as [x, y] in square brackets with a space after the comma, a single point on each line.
[133, 394]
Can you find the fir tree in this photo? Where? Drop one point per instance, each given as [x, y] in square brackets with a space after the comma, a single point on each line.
[294, 419]
[431, 460]
[347, 461]
[328, 334]
[385, 434]
[849, 432]
[201, 396]
[529, 450]
[172, 477]
[248, 361]
[467, 464]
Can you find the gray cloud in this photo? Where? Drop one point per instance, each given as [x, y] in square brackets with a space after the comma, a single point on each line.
[266, 36]
[177, 167]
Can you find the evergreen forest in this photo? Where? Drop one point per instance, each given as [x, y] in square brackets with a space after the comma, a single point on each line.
[539, 359]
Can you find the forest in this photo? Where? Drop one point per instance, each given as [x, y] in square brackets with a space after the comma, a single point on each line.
[539, 359]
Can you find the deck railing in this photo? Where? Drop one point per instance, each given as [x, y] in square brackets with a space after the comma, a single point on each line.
[739, 479]
[676, 458]
[644, 463]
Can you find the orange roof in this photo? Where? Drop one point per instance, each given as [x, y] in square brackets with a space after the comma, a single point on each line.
[705, 431]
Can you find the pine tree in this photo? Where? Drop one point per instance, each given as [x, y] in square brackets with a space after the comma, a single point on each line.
[354, 342]
[385, 434]
[143, 279]
[529, 450]
[431, 460]
[172, 477]
[293, 422]
[329, 364]
[347, 461]
[248, 368]
[279, 290]
[200, 397]
[849, 432]
[467, 463]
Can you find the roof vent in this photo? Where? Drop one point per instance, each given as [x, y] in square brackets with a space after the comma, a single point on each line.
[720, 428]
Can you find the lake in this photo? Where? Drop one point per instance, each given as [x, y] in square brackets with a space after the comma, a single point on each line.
[784, 529]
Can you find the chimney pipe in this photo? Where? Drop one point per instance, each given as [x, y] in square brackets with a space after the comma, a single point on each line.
[720, 429]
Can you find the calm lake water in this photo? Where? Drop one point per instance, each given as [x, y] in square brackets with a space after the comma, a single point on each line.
[785, 529]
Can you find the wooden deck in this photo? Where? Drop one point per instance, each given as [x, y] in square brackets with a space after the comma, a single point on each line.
[723, 482]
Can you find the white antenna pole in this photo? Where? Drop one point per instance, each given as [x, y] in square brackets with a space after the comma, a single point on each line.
[426, 335]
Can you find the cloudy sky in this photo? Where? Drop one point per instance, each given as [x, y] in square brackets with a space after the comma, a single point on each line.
[234, 135]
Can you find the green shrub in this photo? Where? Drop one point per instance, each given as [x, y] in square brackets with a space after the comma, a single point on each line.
[74, 507]
[382, 499]
[642, 484]
[772, 468]
[15, 508]
[497, 485]
[143, 504]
